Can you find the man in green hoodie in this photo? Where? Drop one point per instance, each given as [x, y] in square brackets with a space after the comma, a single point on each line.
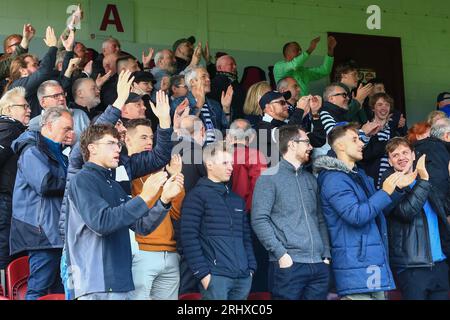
[294, 60]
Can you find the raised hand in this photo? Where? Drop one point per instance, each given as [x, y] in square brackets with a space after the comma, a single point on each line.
[313, 45]
[304, 104]
[172, 188]
[331, 45]
[146, 59]
[363, 92]
[123, 88]
[100, 81]
[50, 38]
[391, 182]
[407, 179]
[175, 165]
[371, 128]
[402, 121]
[181, 112]
[162, 109]
[226, 99]
[316, 103]
[206, 53]
[69, 42]
[152, 185]
[421, 169]
[196, 56]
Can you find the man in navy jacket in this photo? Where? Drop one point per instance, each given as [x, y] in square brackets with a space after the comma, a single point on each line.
[100, 215]
[215, 231]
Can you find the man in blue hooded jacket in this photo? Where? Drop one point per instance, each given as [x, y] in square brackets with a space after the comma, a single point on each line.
[353, 210]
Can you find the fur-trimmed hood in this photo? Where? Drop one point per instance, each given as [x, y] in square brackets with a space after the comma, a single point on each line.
[330, 163]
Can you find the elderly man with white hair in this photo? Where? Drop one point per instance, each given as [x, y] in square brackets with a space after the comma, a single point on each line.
[14, 117]
[226, 76]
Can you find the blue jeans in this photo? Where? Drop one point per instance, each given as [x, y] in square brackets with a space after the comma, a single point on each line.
[302, 281]
[225, 288]
[44, 273]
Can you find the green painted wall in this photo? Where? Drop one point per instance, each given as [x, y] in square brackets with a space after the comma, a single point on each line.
[255, 30]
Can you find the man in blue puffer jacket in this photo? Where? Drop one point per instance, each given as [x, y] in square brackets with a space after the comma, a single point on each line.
[353, 210]
[215, 231]
[38, 193]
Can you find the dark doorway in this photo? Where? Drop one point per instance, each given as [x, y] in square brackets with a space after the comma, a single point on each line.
[381, 55]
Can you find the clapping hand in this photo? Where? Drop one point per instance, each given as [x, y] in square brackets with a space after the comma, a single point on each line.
[162, 109]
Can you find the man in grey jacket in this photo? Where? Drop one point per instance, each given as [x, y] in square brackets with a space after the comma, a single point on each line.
[288, 220]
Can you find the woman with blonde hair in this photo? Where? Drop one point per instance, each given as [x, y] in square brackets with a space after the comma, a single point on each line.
[252, 110]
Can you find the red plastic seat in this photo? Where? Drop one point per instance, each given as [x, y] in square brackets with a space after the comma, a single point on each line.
[252, 75]
[190, 296]
[17, 274]
[2, 292]
[259, 296]
[394, 295]
[55, 296]
[3, 298]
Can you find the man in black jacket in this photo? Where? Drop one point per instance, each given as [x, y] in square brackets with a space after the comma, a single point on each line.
[227, 75]
[419, 235]
[14, 117]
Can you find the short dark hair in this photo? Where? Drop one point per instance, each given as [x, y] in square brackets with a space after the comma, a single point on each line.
[287, 46]
[122, 59]
[175, 81]
[381, 95]
[344, 68]
[394, 143]
[287, 133]
[340, 131]
[134, 123]
[375, 81]
[94, 133]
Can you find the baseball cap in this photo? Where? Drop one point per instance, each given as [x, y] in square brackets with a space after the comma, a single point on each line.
[443, 96]
[133, 97]
[140, 76]
[191, 40]
[272, 95]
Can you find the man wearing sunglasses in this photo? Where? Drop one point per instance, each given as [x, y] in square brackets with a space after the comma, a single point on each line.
[276, 115]
[288, 220]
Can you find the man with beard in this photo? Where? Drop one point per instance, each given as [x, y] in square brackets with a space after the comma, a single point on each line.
[288, 220]
[86, 96]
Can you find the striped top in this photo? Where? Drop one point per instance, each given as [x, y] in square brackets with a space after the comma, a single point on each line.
[383, 135]
[205, 115]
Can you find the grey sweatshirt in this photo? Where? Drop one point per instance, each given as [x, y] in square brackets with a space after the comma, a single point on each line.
[287, 216]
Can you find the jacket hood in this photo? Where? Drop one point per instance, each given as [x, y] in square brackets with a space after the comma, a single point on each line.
[326, 163]
[219, 187]
[7, 124]
[28, 138]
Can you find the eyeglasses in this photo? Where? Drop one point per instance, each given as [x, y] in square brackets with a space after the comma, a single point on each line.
[343, 94]
[281, 102]
[111, 144]
[56, 95]
[14, 44]
[307, 141]
[181, 86]
[25, 106]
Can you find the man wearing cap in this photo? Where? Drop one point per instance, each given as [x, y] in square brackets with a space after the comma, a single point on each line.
[183, 50]
[443, 102]
[134, 108]
[276, 115]
[143, 85]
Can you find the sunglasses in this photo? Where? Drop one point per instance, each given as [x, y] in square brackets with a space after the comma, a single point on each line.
[343, 94]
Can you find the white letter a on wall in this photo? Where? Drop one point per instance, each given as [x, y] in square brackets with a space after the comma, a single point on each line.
[374, 21]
